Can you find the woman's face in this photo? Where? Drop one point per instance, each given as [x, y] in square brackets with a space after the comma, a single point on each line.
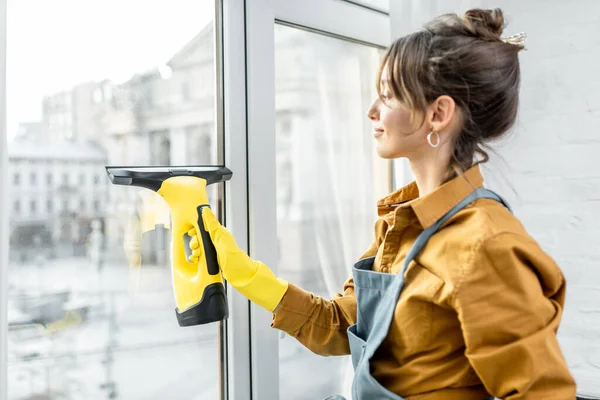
[396, 134]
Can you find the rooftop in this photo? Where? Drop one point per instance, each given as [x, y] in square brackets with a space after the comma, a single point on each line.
[44, 149]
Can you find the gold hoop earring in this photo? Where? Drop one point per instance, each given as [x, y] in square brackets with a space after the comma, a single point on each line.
[437, 139]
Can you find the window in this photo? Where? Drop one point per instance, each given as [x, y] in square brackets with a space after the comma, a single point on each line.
[320, 238]
[160, 147]
[107, 92]
[90, 333]
[285, 184]
[97, 95]
[199, 143]
[164, 151]
[185, 91]
[283, 121]
[327, 95]
[91, 326]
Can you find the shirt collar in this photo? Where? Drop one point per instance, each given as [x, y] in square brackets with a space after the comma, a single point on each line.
[433, 206]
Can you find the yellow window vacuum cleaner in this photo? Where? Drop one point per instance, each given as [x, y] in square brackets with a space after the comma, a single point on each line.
[198, 286]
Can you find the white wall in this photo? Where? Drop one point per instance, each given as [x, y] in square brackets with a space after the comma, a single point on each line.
[549, 172]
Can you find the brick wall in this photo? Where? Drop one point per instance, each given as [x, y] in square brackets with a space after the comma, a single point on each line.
[549, 168]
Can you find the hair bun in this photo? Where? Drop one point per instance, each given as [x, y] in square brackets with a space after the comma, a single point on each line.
[485, 24]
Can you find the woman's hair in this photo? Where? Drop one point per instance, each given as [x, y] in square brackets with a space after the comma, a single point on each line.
[464, 58]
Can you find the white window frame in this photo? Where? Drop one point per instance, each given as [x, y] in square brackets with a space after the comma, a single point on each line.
[3, 209]
[231, 13]
[341, 19]
[234, 345]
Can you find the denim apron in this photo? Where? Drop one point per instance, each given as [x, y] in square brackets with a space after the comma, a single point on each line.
[377, 295]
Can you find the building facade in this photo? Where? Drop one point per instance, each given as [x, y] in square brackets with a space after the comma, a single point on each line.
[57, 188]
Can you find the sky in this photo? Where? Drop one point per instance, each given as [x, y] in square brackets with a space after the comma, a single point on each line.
[55, 45]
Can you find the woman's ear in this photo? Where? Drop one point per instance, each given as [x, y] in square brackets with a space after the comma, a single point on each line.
[442, 112]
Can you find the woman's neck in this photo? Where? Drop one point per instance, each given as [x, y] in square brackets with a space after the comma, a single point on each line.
[430, 172]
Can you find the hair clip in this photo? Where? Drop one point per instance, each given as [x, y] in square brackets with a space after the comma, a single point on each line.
[517, 40]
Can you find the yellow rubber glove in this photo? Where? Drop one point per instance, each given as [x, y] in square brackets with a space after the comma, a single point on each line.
[251, 278]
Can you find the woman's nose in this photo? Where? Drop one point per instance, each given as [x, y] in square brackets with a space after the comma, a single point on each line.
[373, 112]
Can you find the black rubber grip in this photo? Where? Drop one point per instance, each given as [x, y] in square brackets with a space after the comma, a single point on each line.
[211, 308]
[212, 262]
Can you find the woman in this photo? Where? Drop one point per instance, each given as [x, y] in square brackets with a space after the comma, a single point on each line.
[453, 300]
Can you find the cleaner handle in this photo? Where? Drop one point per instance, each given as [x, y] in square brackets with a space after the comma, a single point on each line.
[212, 262]
[198, 278]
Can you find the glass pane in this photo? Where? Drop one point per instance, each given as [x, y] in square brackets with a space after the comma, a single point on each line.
[94, 84]
[328, 181]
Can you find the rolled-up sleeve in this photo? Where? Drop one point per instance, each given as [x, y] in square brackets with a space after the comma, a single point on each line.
[319, 324]
[509, 301]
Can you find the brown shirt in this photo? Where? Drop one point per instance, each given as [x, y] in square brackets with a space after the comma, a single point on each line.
[478, 313]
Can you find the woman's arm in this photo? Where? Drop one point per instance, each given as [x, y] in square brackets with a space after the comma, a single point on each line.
[317, 323]
[509, 302]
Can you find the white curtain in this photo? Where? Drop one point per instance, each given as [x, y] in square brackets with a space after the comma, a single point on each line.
[353, 177]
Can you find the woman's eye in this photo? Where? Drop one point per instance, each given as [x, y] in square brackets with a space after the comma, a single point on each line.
[387, 97]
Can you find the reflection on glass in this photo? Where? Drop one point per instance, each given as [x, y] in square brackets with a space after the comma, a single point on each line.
[328, 181]
[107, 83]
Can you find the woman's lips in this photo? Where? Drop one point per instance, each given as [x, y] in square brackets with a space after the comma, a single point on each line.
[377, 132]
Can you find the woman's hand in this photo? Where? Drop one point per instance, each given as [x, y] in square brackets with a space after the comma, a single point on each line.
[251, 278]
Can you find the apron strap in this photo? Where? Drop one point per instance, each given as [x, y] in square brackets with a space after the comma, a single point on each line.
[480, 193]
[385, 311]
